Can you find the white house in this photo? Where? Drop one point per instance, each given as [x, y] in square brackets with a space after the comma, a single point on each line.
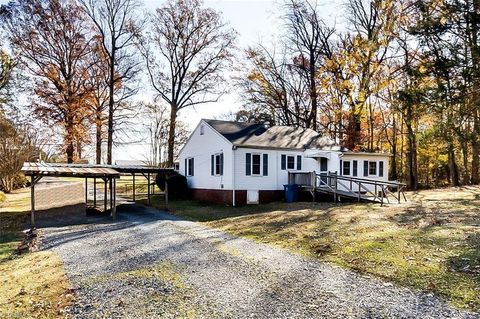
[237, 163]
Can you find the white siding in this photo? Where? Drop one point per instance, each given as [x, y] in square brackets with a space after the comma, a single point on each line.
[276, 177]
[361, 158]
[201, 147]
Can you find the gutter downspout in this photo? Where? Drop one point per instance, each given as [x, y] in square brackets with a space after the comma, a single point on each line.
[233, 175]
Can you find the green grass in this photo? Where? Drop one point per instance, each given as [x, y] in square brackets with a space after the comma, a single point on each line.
[431, 243]
[32, 285]
[8, 242]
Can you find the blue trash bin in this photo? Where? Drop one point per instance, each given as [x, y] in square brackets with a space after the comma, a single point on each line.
[291, 192]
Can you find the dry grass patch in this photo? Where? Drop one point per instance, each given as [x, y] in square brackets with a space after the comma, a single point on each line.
[34, 286]
[16, 201]
[431, 243]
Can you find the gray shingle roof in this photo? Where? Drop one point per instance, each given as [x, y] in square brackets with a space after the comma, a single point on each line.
[286, 137]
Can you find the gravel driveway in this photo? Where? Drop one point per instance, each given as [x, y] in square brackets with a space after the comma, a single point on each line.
[152, 265]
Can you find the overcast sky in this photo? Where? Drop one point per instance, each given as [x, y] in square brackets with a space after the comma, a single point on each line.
[255, 21]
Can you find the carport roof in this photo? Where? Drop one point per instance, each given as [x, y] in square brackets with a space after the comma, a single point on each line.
[50, 169]
[88, 170]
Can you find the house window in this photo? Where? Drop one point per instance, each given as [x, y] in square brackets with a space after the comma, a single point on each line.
[380, 168]
[216, 164]
[189, 166]
[290, 162]
[256, 164]
[355, 168]
[346, 168]
[202, 129]
[372, 168]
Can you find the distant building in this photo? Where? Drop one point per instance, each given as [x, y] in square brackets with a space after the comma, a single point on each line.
[130, 163]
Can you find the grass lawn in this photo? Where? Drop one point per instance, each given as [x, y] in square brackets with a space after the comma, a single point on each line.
[431, 243]
[32, 285]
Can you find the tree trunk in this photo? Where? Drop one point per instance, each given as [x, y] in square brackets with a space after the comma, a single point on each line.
[98, 137]
[412, 166]
[110, 127]
[70, 151]
[475, 150]
[370, 128]
[111, 104]
[313, 94]
[452, 165]
[475, 52]
[69, 139]
[79, 150]
[393, 166]
[171, 134]
[466, 175]
[353, 132]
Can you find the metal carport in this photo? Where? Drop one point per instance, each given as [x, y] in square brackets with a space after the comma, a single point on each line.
[108, 173]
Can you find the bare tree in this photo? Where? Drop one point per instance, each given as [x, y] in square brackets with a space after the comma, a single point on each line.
[116, 21]
[196, 46]
[99, 97]
[274, 85]
[7, 64]
[308, 40]
[15, 148]
[50, 37]
[157, 124]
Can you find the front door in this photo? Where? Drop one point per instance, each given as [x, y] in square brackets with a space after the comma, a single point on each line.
[323, 170]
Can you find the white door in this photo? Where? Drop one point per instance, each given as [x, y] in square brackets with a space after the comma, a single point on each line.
[324, 170]
[252, 197]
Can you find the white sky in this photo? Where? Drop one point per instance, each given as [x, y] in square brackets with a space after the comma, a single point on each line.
[255, 21]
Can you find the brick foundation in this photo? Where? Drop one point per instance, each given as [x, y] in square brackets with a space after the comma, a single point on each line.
[223, 196]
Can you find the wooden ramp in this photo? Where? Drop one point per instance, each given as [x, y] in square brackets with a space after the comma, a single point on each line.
[360, 189]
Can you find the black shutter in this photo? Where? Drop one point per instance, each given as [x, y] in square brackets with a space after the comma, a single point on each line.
[221, 164]
[284, 162]
[265, 164]
[193, 166]
[365, 168]
[341, 167]
[212, 165]
[355, 168]
[186, 161]
[248, 164]
[380, 168]
[299, 162]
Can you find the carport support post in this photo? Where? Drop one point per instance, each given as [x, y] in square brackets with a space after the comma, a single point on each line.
[86, 191]
[166, 194]
[111, 194]
[114, 208]
[94, 193]
[105, 194]
[148, 188]
[32, 194]
[133, 182]
[153, 187]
